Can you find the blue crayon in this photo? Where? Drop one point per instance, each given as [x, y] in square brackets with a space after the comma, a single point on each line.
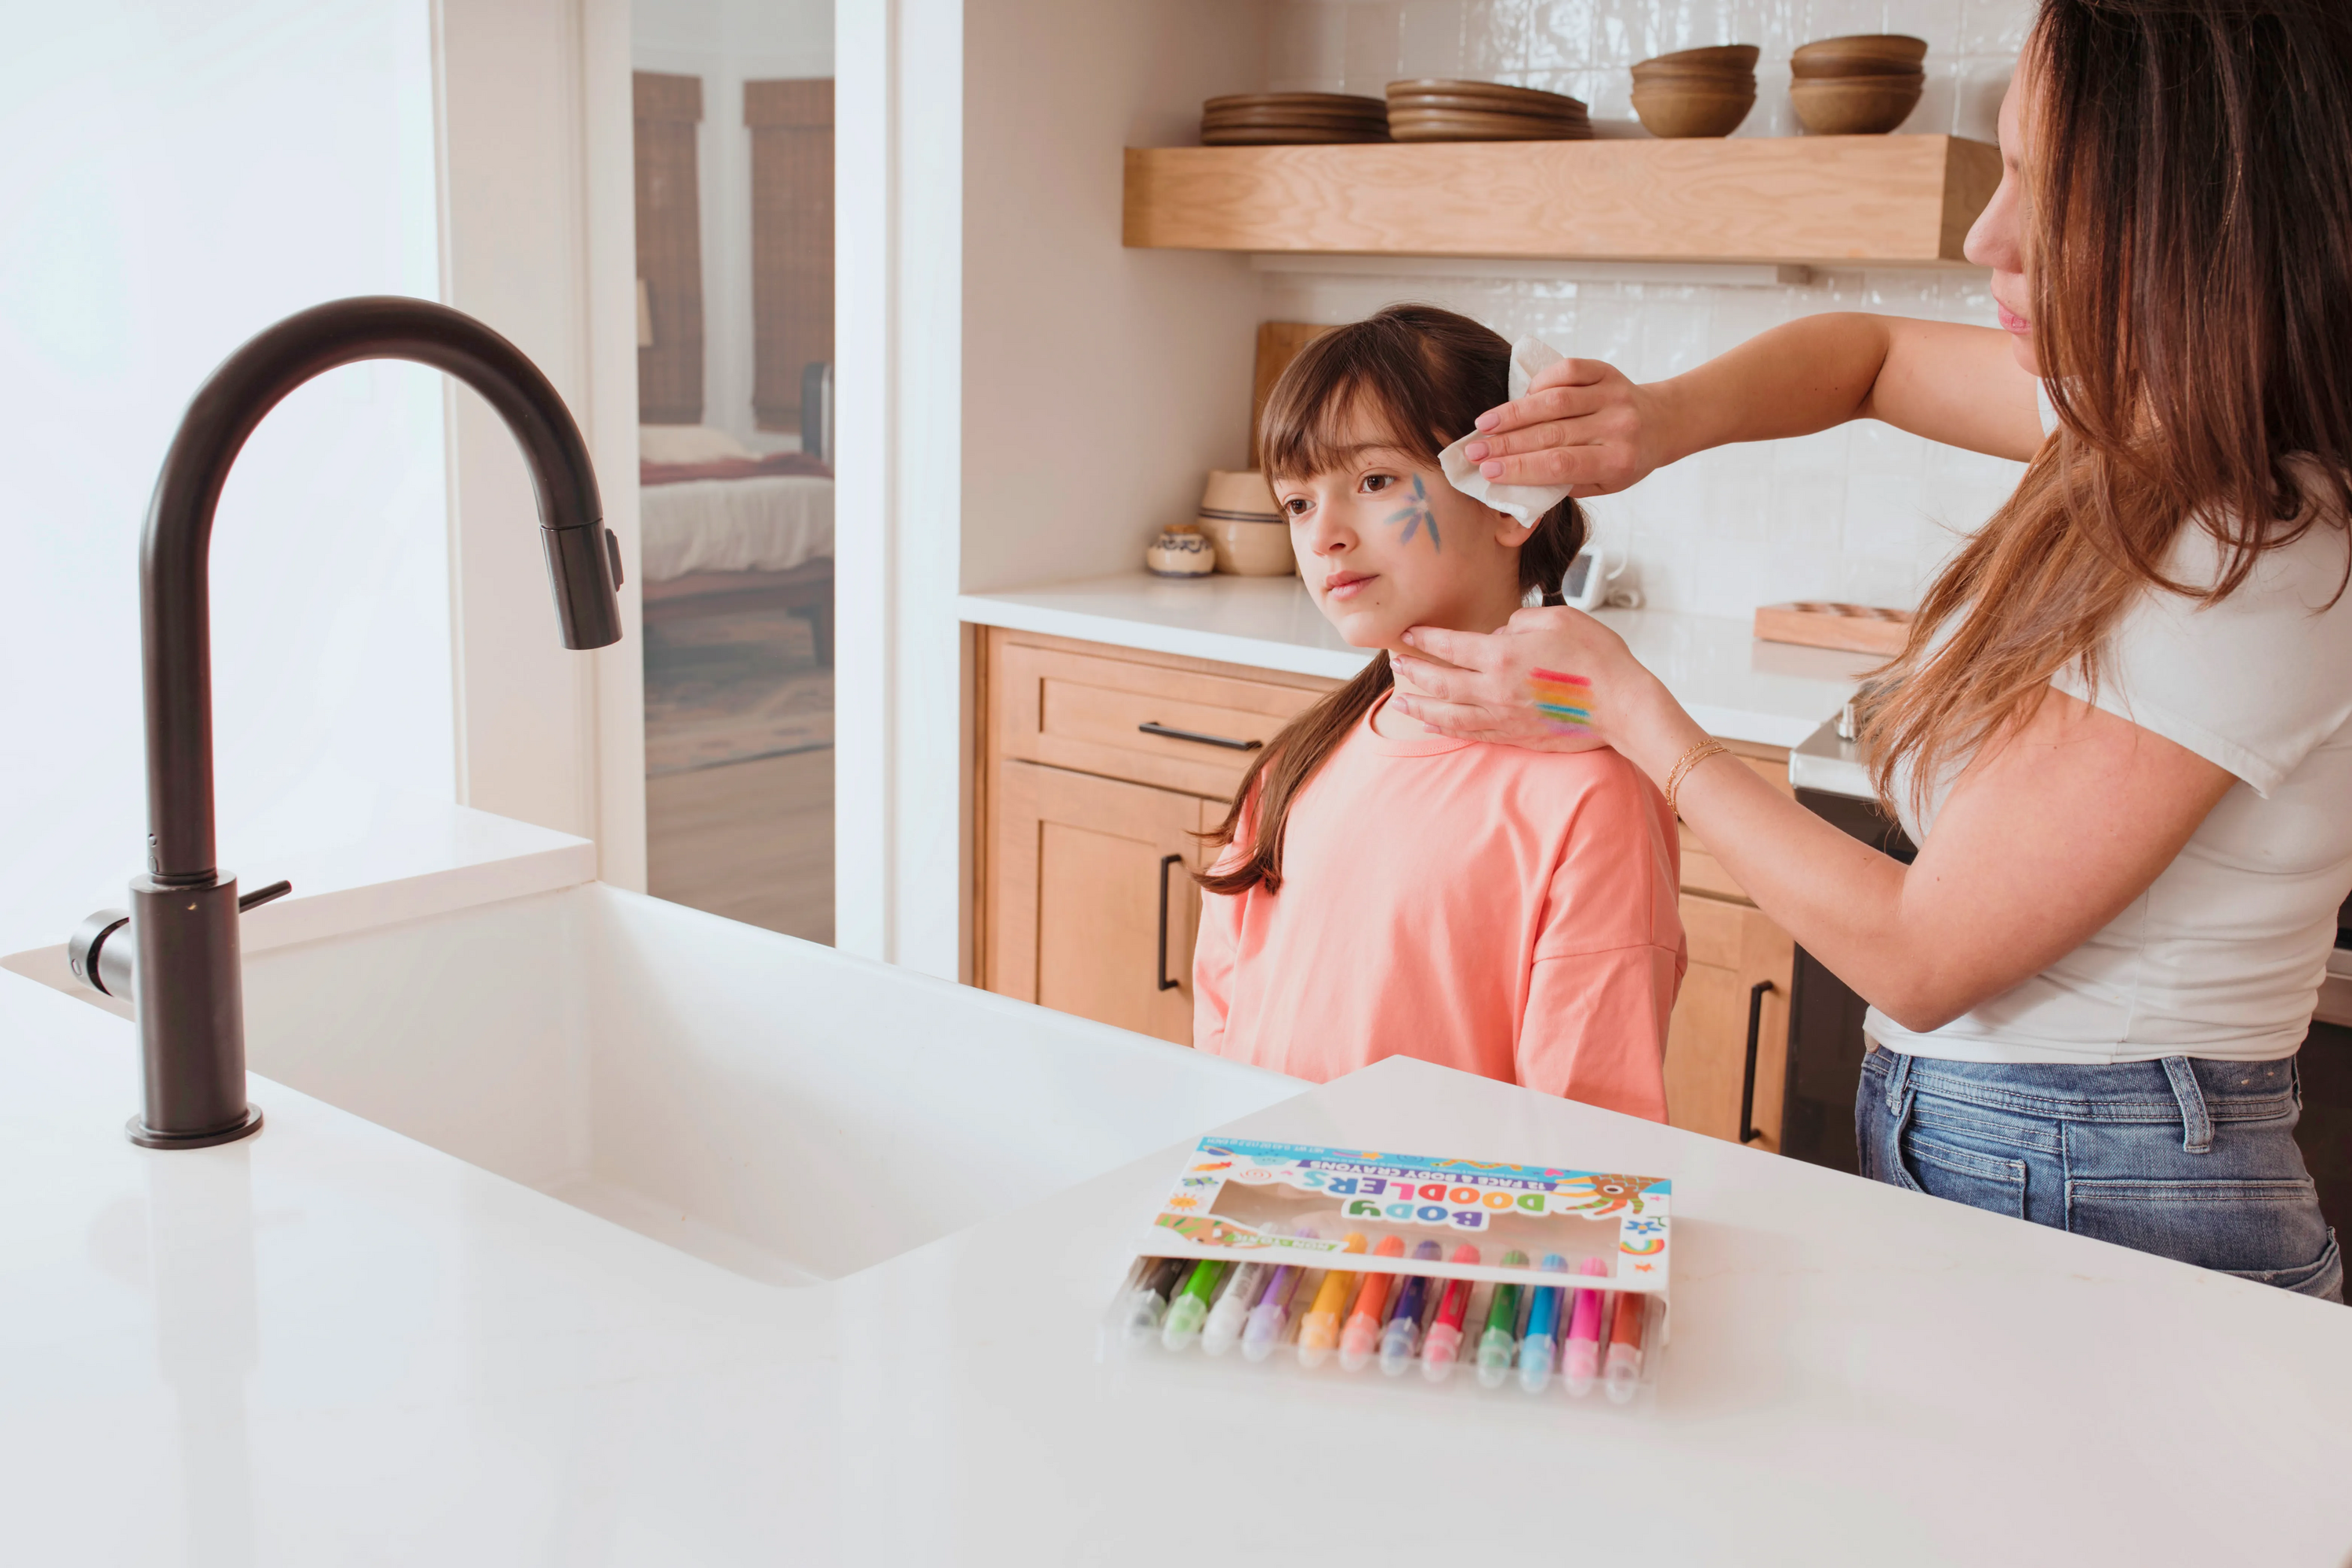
[1540, 1345]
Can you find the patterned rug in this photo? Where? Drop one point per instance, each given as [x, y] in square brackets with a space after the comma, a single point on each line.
[729, 687]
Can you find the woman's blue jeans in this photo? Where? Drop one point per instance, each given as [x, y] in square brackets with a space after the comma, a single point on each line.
[2186, 1157]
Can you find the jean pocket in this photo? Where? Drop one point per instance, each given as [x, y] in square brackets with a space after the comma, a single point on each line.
[2271, 1231]
[1964, 1176]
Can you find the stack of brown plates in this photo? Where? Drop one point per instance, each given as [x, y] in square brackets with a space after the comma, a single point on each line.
[1430, 109]
[1697, 92]
[1863, 86]
[1266, 118]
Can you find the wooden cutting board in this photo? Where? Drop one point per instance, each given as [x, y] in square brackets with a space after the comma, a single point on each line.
[1857, 629]
[1278, 344]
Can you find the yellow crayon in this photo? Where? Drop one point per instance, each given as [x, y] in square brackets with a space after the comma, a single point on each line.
[1319, 1330]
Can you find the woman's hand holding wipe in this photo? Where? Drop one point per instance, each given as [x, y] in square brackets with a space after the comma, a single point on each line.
[1582, 423]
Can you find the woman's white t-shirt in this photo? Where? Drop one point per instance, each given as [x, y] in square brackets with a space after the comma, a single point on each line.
[2224, 953]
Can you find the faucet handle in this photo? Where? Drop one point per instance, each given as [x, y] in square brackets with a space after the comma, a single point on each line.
[103, 964]
[98, 962]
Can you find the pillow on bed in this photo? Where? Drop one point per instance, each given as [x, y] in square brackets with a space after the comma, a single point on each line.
[687, 444]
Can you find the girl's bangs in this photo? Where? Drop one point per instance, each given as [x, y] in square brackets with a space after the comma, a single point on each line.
[1311, 422]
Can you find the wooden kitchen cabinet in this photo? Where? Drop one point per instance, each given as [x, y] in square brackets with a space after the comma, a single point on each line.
[1100, 765]
[1734, 947]
[1092, 903]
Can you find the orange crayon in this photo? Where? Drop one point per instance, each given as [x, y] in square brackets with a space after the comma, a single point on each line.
[1363, 1330]
[1319, 1330]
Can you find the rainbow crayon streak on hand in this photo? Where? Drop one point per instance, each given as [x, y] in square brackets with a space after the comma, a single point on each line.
[1564, 701]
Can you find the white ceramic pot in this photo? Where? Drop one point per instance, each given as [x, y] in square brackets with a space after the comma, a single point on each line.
[1239, 513]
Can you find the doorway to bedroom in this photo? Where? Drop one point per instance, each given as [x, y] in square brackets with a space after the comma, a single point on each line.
[734, 230]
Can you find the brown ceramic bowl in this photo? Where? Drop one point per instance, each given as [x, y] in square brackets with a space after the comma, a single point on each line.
[1853, 106]
[1864, 53]
[1737, 60]
[1674, 110]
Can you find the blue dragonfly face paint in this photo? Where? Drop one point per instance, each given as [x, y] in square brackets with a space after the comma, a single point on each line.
[1417, 514]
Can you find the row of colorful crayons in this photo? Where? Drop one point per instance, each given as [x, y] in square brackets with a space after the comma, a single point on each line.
[1399, 1318]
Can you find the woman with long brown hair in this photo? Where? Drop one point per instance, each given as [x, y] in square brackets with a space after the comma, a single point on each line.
[2122, 729]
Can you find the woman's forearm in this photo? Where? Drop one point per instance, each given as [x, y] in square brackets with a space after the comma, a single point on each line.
[2046, 838]
[1839, 898]
[1808, 375]
[1957, 385]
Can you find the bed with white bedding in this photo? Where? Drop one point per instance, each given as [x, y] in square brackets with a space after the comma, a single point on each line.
[724, 530]
[768, 522]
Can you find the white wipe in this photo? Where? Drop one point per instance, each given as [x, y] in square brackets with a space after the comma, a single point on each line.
[1529, 357]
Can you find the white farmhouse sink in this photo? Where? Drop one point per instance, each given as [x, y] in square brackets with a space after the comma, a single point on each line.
[758, 1102]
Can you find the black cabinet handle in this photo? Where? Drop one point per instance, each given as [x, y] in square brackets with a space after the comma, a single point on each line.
[1154, 727]
[1749, 1130]
[1160, 971]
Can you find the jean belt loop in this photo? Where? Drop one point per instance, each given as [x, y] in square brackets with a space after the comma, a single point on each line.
[2196, 1122]
[1897, 1077]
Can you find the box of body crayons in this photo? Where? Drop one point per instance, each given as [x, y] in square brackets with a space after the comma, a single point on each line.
[1548, 1278]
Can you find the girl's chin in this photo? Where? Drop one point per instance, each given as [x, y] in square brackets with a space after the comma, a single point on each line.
[1370, 630]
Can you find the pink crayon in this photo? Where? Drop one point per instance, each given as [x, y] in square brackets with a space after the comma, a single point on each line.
[1444, 1345]
[1582, 1362]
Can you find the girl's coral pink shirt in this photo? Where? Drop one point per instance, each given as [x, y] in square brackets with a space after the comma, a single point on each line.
[1507, 912]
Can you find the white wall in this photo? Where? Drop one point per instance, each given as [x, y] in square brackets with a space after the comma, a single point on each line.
[726, 43]
[539, 203]
[177, 179]
[1099, 383]
[1862, 513]
[1015, 390]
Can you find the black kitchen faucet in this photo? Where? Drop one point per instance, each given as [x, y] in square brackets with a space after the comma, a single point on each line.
[185, 974]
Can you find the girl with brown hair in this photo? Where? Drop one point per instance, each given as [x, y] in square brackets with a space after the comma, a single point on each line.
[2121, 731]
[1385, 891]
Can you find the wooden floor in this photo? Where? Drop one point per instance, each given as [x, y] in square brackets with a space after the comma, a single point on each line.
[752, 841]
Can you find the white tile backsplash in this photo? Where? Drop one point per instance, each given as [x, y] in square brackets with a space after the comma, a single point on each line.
[1865, 512]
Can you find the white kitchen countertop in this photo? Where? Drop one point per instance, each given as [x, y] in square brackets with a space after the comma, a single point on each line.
[1736, 687]
[330, 1343]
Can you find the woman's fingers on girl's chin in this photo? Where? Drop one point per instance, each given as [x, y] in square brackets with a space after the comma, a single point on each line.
[1418, 681]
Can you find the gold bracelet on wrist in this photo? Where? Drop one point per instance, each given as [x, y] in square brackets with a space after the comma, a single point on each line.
[1682, 766]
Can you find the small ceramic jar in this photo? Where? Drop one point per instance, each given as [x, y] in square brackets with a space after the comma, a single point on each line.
[1238, 510]
[1180, 551]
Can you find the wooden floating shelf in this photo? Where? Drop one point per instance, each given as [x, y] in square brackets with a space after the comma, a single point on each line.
[1819, 201]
